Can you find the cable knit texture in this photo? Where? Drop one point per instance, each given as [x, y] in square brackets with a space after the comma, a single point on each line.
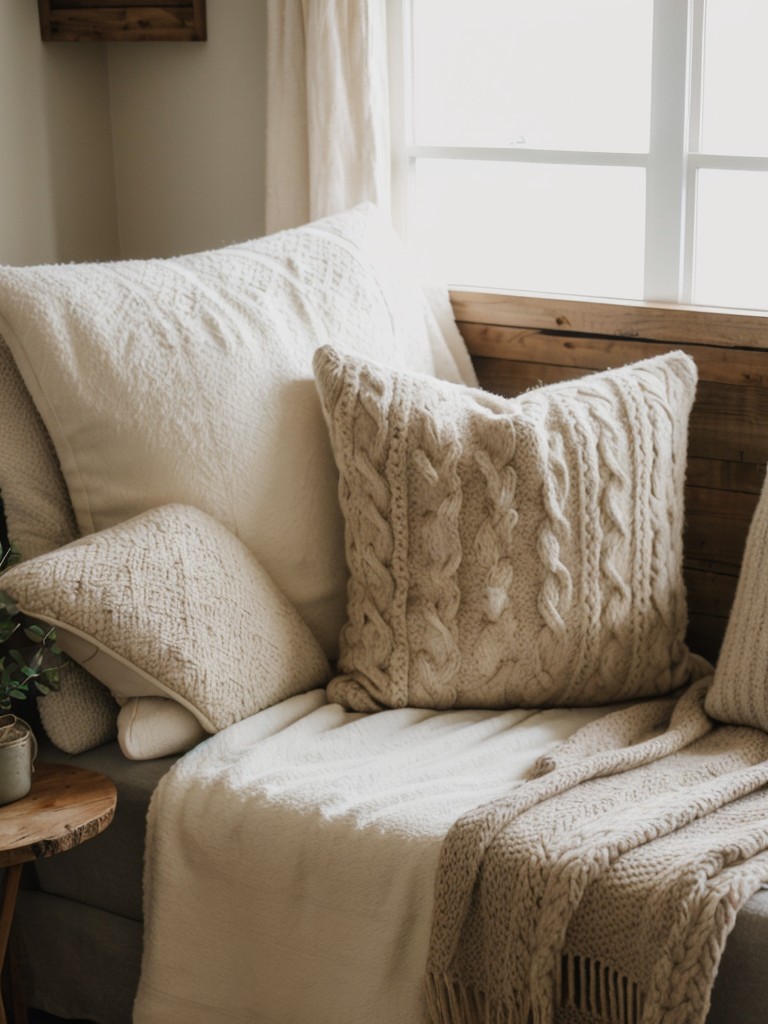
[510, 552]
[171, 604]
[739, 693]
[603, 889]
[81, 714]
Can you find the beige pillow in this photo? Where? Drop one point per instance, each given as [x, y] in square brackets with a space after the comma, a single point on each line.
[81, 714]
[150, 727]
[171, 604]
[520, 552]
[739, 691]
[190, 380]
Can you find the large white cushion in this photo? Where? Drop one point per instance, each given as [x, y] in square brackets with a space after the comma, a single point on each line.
[518, 552]
[190, 380]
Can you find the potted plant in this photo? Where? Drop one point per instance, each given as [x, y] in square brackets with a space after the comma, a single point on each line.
[29, 664]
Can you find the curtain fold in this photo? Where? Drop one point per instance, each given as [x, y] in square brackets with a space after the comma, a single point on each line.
[328, 144]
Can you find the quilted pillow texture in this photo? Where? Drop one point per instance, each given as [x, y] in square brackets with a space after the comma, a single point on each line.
[510, 552]
[189, 380]
[739, 691]
[81, 714]
[171, 604]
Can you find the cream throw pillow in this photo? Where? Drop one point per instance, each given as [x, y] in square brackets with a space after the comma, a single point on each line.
[171, 604]
[521, 552]
[80, 714]
[739, 691]
[149, 727]
[190, 380]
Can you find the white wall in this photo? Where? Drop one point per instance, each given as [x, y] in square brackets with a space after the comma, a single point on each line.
[112, 150]
[189, 127]
[57, 196]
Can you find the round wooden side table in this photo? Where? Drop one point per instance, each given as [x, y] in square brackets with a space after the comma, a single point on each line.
[65, 807]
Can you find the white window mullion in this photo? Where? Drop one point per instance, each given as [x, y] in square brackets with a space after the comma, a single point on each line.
[666, 173]
[695, 106]
[574, 158]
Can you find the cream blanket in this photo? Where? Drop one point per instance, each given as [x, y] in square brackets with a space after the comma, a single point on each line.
[604, 889]
[291, 858]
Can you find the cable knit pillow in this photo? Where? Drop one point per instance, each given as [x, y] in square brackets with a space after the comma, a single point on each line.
[520, 552]
[190, 380]
[171, 604]
[739, 691]
[81, 714]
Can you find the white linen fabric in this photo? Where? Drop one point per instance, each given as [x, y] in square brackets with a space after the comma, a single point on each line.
[317, 832]
[171, 604]
[190, 380]
[81, 714]
[327, 109]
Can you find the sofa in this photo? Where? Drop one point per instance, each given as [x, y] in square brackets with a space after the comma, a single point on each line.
[333, 612]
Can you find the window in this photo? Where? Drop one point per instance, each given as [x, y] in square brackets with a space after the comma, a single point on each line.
[605, 148]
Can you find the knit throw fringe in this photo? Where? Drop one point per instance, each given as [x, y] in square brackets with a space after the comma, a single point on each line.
[603, 889]
[595, 991]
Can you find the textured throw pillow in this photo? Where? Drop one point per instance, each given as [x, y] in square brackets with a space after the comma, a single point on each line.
[190, 380]
[81, 714]
[739, 691]
[150, 727]
[171, 604]
[510, 552]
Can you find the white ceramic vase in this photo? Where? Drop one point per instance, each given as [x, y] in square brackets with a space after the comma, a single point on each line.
[18, 750]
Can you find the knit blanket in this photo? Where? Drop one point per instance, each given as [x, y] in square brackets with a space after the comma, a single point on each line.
[603, 889]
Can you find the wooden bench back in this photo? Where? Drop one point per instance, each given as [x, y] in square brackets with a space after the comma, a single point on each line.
[518, 342]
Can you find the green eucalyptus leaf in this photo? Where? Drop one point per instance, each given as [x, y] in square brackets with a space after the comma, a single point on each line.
[35, 659]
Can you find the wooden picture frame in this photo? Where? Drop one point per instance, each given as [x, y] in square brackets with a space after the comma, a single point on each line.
[140, 21]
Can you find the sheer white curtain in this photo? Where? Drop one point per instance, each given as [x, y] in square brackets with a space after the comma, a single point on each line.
[328, 144]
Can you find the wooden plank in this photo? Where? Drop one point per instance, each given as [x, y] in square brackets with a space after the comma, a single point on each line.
[666, 323]
[710, 593]
[173, 22]
[730, 423]
[596, 353]
[724, 475]
[705, 634]
[99, 5]
[717, 523]
[710, 598]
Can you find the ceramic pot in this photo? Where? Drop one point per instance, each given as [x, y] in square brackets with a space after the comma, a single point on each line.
[18, 750]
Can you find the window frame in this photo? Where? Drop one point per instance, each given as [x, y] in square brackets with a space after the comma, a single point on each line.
[671, 165]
